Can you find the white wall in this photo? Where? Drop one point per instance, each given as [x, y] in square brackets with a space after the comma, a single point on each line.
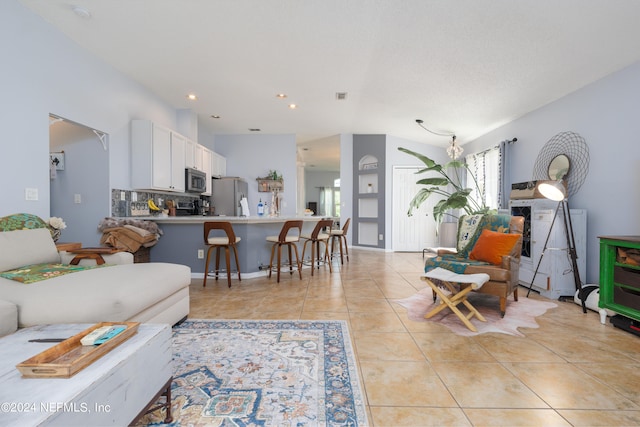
[313, 180]
[605, 114]
[252, 156]
[346, 180]
[84, 156]
[44, 72]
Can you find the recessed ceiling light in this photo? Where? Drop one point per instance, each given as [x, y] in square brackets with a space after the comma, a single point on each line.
[254, 130]
[293, 106]
[281, 95]
[215, 116]
[81, 12]
[192, 96]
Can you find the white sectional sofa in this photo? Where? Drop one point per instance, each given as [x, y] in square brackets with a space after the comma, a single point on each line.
[149, 292]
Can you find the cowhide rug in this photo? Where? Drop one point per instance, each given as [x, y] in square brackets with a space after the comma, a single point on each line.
[519, 314]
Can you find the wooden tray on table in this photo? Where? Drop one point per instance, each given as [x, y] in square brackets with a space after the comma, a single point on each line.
[67, 358]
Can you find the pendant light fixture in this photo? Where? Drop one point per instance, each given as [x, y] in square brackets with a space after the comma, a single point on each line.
[453, 150]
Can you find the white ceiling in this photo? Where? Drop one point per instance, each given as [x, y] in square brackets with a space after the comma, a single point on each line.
[466, 66]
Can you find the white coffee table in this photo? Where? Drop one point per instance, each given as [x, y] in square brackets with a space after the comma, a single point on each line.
[113, 390]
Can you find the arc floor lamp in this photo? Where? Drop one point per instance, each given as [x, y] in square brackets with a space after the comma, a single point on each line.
[557, 191]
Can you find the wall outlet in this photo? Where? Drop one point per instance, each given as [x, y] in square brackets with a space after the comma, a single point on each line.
[77, 199]
[123, 196]
[381, 237]
[200, 253]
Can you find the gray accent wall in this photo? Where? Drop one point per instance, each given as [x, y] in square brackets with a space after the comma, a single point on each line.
[369, 214]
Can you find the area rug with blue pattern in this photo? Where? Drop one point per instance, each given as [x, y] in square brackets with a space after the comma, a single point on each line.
[263, 373]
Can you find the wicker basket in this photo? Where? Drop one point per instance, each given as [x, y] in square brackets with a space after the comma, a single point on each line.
[142, 255]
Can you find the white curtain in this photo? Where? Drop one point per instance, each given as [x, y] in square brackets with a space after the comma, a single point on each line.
[486, 166]
[325, 207]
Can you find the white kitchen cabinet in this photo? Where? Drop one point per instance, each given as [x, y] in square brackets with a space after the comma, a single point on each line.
[207, 159]
[177, 162]
[555, 274]
[219, 165]
[195, 156]
[157, 157]
[190, 153]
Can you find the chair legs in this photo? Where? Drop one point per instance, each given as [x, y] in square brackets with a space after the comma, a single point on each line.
[315, 253]
[346, 248]
[279, 259]
[217, 267]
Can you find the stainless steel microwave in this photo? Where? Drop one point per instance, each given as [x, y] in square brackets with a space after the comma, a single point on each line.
[195, 181]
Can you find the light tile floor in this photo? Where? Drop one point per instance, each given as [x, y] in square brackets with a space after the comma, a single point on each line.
[572, 371]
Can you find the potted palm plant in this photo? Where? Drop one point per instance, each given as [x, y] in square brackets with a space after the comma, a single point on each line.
[454, 195]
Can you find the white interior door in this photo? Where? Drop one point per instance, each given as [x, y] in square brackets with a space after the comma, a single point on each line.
[416, 232]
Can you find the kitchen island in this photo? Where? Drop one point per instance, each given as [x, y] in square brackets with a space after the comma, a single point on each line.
[183, 236]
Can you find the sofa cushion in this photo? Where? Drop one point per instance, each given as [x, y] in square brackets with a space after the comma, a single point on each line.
[492, 246]
[25, 247]
[115, 293]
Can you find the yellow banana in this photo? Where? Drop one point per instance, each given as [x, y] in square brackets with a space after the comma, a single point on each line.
[152, 205]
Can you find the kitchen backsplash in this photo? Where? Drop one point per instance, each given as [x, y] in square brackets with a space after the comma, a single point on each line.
[123, 204]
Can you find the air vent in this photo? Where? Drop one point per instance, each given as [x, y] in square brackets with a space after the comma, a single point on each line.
[341, 96]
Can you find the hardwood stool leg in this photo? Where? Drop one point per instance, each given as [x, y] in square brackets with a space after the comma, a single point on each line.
[451, 301]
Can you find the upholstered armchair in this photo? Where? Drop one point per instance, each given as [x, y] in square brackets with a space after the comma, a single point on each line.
[483, 248]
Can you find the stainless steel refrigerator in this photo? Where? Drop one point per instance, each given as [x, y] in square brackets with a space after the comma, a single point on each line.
[226, 194]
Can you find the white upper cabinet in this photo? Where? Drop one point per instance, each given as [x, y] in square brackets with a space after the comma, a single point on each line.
[190, 154]
[218, 165]
[157, 157]
[206, 168]
[177, 162]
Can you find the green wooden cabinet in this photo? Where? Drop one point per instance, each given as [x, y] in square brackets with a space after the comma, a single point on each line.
[620, 275]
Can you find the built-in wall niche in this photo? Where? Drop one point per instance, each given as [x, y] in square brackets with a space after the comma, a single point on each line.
[368, 208]
[368, 162]
[368, 233]
[368, 223]
[368, 183]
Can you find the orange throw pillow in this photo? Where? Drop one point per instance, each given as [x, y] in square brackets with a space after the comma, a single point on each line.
[492, 245]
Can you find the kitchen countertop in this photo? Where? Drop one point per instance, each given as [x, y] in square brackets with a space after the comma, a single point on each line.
[195, 219]
[182, 240]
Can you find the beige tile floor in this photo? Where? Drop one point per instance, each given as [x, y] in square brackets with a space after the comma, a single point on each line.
[572, 371]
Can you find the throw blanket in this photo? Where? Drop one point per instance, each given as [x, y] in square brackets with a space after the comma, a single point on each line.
[129, 238]
[21, 221]
[476, 280]
[37, 272]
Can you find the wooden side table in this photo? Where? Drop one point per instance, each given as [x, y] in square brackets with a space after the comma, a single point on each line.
[91, 253]
[69, 246]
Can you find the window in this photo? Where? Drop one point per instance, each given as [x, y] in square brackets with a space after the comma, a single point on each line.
[485, 166]
[329, 202]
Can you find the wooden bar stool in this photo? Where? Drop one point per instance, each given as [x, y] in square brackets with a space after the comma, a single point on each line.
[284, 239]
[316, 237]
[227, 241]
[341, 235]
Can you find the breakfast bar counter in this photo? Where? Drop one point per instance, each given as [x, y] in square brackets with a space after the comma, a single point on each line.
[183, 237]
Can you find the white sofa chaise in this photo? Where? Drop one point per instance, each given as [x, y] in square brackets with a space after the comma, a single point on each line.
[149, 292]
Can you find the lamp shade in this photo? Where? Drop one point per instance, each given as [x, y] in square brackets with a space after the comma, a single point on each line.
[553, 190]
